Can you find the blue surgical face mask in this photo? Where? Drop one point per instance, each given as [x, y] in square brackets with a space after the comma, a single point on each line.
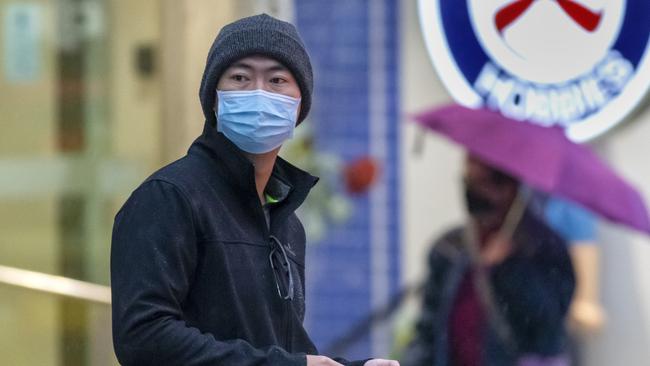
[256, 121]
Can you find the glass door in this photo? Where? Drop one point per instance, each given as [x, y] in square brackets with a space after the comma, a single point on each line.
[79, 129]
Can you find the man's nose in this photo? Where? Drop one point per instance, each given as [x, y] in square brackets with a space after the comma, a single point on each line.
[260, 83]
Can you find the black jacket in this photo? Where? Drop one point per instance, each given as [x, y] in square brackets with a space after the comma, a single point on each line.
[532, 292]
[191, 278]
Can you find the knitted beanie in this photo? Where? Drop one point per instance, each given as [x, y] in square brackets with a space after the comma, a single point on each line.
[257, 35]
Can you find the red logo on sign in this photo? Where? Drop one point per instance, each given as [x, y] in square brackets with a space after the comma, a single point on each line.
[583, 16]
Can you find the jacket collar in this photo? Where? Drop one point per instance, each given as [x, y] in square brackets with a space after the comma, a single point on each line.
[239, 172]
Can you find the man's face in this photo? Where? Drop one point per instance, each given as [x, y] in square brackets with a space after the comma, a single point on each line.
[490, 193]
[259, 72]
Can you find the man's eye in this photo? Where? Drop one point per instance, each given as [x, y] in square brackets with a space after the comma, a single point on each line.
[239, 77]
[277, 80]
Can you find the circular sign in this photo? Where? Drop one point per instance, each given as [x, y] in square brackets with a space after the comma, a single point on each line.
[579, 64]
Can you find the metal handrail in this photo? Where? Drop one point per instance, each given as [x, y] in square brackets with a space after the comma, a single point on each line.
[57, 285]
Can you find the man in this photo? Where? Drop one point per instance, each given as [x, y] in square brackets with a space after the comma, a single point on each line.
[208, 257]
[491, 299]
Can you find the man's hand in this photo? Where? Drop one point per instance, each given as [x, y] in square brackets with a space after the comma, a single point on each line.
[323, 361]
[380, 362]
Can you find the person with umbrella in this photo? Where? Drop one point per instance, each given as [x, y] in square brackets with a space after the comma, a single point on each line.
[499, 288]
[493, 298]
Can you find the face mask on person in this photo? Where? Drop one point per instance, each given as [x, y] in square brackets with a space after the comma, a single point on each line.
[256, 121]
[477, 205]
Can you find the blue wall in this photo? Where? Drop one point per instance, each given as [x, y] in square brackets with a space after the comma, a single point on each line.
[336, 33]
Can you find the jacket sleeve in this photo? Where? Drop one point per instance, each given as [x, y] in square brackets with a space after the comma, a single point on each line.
[153, 260]
[345, 362]
[534, 292]
[421, 349]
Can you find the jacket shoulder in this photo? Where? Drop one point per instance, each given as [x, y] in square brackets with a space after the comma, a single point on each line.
[178, 173]
[191, 174]
[168, 181]
[449, 245]
[539, 238]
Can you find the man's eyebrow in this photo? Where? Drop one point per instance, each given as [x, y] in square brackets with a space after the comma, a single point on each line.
[241, 65]
[278, 67]
[244, 65]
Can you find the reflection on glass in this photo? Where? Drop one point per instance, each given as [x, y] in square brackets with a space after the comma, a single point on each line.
[68, 157]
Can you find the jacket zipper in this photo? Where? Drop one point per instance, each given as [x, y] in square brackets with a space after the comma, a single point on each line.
[286, 316]
[287, 325]
[287, 303]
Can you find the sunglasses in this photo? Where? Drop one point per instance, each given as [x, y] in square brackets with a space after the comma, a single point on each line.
[281, 268]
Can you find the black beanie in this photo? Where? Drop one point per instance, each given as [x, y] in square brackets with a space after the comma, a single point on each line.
[257, 35]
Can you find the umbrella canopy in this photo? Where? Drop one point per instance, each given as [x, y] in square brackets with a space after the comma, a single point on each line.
[542, 157]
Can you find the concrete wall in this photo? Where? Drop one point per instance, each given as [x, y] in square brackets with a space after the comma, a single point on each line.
[625, 257]
[189, 27]
[431, 190]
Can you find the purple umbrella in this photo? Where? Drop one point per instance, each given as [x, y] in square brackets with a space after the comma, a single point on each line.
[542, 157]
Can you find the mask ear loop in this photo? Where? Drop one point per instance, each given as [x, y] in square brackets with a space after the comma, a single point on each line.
[215, 107]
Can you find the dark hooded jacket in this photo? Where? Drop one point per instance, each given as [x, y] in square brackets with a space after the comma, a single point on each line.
[191, 277]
